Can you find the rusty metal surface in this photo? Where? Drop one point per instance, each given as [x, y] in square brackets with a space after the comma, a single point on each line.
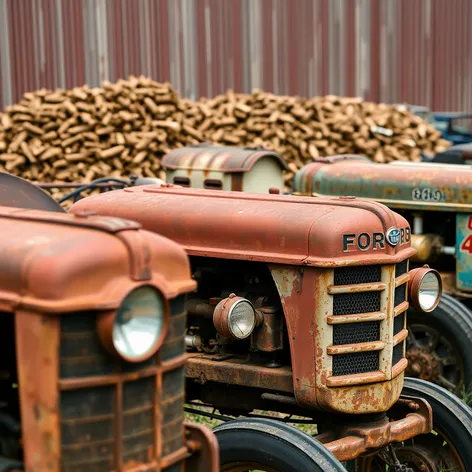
[203, 445]
[408, 185]
[315, 386]
[81, 255]
[81, 408]
[235, 371]
[259, 227]
[19, 193]
[403, 51]
[37, 346]
[210, 158]
[356, 439]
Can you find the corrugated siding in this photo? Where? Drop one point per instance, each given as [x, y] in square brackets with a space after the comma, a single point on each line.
[415, 51]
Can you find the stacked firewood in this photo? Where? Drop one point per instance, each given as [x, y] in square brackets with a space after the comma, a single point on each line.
[126, 127]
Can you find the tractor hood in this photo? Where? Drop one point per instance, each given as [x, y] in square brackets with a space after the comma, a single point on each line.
[59, 263]
[408, 185]
[271, 228]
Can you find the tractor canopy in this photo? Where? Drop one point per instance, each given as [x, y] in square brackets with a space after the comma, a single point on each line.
[405, 185]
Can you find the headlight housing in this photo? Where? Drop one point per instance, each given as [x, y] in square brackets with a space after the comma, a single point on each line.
[425, 289]
[235, 317]
[136, 330]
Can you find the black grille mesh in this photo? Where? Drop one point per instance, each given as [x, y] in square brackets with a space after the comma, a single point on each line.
[352, 333]
[398, 323]
[401, 268]
[172, 410]
[356, 363]
[87, 429]
[397, 353]
[400, 295]
[138, 420]
[351, 303]
[357, 275]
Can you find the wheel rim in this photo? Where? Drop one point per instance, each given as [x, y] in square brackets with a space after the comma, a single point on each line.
[432, 357]
[246, 466]
[425, 453]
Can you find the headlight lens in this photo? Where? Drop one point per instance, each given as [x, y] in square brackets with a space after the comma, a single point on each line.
[235, 317]
[429, 291]
[139, 324]
[425, 289]
[241, 319]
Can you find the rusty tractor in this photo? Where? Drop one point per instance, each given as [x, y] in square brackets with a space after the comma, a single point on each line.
[438, 344]
[301, 310]
[92, 326]
[436, 199]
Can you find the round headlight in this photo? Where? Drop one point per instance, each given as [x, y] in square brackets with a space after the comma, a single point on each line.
[136, 329]
[235, 317]
[425, 289]
[429, 291]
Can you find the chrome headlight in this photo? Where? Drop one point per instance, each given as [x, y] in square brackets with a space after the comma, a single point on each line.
[425, 289]
[136, 329]
[235, 317]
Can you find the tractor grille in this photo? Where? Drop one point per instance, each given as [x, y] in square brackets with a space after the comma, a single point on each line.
[369, 331]
[102, 426]
[399, 323]
[354, 333]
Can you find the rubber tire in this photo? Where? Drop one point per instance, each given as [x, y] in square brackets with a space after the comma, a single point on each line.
[450, 415]
[273, 444]
[454, 319]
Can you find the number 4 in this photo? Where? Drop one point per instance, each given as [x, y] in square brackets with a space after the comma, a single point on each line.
[466, 245]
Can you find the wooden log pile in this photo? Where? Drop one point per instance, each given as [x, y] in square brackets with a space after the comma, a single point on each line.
[126, 127]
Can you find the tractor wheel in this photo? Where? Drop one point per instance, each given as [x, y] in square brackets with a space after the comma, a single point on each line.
[257, 444]
[438, 345]
[447, 448]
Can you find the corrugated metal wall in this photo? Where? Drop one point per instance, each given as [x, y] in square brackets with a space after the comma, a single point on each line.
[417, 51]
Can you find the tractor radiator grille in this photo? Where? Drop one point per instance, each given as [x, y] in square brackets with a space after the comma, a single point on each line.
[372, 301]
[354, 333]
[111, 425]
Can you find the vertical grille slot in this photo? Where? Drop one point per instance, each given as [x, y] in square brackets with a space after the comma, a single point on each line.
[400, 295]
[401, 268]
[172, 410]
[398, 323]
[398, 353]
[138, 420]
